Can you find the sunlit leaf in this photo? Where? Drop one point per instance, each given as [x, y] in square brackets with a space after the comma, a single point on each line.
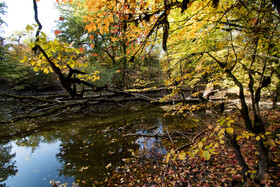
[230, 130]
[206, 155]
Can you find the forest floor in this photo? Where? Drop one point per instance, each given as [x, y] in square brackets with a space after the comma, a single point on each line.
[188, 168]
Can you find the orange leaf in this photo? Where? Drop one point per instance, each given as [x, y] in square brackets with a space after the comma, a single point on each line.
[61, 19]
[118, 71]
[91, 37]
[101, 30]
[81, 49]
[92, 45]
[57, 1]
[57, 32]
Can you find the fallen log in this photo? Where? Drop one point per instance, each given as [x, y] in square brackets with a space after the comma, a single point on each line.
[42, 114]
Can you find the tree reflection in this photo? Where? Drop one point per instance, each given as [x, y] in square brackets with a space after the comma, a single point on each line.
[89, 155]
[7, 166]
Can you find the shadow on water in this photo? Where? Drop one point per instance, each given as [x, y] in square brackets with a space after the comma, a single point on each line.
[79, 149]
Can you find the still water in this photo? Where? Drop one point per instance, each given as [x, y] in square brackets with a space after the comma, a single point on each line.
[76, 149]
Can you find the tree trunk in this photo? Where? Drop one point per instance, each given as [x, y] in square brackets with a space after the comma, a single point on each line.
[263, 161]
[276, 95]
[240, 159]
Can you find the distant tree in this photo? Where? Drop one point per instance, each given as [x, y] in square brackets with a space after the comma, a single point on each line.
[2, 22]
[7, 165]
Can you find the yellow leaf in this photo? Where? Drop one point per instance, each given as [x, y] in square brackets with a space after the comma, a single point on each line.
[206, 155]
[29, 27]
[101, 30]
[220, 45]
[46, 71]
[218, 127]
[168, 157]
[110, 18]
[200, 153]
[106, 22]
[105, 29]
[230, 130]
[200, 145]
[99, 25]
[258, 138]
[238, 138]
[272, 143]
[221, 132]
[93, 27]
[109, 165]
[182, 156]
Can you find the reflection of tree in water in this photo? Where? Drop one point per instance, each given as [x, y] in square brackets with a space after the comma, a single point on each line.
[7, 166]
[86, 153]
[152, 148]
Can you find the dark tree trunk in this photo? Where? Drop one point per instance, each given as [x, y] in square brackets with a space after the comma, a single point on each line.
[276, 95]
[239, 157]
[263, 161]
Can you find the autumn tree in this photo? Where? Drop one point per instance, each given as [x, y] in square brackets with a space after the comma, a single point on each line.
[60, 58]
[227, 40]
[234, 42]
[119, 39]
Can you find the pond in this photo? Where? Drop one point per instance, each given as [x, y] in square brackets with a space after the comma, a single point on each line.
[79, 149]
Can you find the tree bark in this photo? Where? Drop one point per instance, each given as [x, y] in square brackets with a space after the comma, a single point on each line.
[240, 159]
[263, 161]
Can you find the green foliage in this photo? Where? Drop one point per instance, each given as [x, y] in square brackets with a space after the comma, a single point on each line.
[71, 24]
[21, 76]
[2, 12]
[106, 75]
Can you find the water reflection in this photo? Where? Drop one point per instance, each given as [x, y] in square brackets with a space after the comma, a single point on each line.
[86, 154]
[151, 148]
[36, 166]
[7, 165]
[81, 150]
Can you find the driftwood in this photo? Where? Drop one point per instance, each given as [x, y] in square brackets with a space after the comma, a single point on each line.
[29, 107]
[158, 135]
[146, 135]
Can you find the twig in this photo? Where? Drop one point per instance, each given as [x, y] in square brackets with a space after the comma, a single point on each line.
[169, 136]
[193, 141]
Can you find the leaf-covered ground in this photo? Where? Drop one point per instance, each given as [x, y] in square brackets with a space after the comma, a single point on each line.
[222, 169]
